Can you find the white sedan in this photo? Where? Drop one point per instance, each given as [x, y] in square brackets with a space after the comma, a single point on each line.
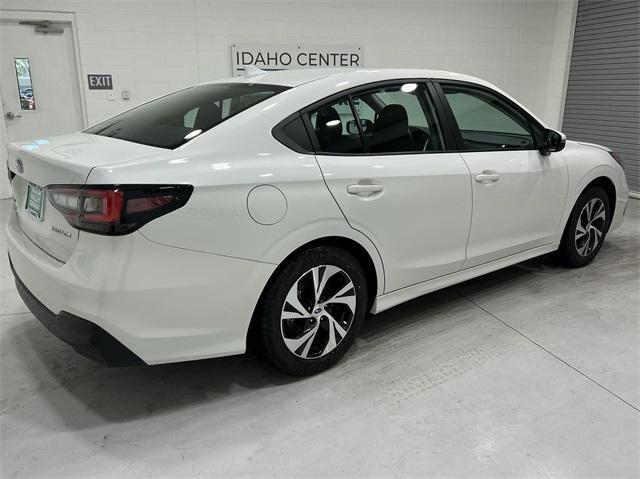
[279, 209]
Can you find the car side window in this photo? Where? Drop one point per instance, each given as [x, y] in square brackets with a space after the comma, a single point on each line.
[330, 124]
[398, 118]
[190, 117]
[487, 122]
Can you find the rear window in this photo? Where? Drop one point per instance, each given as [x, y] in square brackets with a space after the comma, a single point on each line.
[172, 120]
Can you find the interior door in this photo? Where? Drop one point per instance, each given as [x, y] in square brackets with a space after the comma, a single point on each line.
[381, 153]
[38, 84]
[518, 193]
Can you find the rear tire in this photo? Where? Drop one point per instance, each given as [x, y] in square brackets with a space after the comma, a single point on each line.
[312, 311]
[586, 228]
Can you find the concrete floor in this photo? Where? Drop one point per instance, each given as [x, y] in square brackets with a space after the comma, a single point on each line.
[531, 371]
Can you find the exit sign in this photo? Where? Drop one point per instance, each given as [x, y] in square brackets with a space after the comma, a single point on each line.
[99, 82]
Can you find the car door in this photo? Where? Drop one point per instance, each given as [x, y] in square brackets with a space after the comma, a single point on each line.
[518, 193]
[382, 155]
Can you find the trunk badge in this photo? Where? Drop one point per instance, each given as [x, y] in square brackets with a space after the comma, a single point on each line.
[19, 165]
[60, 231]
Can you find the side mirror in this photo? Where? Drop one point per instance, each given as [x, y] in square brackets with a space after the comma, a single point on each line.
[553, 141]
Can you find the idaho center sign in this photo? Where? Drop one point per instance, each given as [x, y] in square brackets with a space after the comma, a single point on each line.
[287, 57]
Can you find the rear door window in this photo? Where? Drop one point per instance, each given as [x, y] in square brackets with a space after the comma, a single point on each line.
[336, 129]
[398, 118]
[172, 120]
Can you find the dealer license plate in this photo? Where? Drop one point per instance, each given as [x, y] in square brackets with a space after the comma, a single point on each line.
[35, 201]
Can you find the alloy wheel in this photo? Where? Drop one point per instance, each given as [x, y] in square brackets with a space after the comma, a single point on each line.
[318, 311]
[590, 226]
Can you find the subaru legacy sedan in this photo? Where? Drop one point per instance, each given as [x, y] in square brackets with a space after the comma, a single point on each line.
[280, 209]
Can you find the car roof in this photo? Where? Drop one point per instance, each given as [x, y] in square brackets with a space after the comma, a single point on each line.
[326, 81]
[293, 78]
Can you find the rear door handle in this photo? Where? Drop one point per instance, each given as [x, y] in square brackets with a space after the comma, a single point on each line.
[360, 189]
[487, 177]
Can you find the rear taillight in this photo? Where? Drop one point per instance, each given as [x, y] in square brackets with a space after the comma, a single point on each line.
[116, 209]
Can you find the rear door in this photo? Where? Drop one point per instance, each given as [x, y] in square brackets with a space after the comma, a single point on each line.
[518, 193]
[382, 155]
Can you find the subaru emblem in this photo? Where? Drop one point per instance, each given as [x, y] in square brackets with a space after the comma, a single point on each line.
[19, 165]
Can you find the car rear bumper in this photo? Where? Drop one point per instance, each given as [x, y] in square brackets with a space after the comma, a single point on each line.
[86, 338]
[163, 304]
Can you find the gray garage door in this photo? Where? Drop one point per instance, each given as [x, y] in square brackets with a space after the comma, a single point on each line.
[603, 95]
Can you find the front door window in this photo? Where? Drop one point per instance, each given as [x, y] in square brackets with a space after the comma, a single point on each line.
[486, 122]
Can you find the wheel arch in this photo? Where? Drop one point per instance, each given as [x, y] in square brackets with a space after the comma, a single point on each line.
[350, 245]
[584, 175]
[607, 185]
[609, 188]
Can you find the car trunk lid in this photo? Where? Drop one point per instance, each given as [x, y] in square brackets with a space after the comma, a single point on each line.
[62, 160]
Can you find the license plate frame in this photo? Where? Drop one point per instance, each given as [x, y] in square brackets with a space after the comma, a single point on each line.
[35, 201]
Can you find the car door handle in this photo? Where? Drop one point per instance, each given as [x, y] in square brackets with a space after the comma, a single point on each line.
[360, 189]
[487, 177]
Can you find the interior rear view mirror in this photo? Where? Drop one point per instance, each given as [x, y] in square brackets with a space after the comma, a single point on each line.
[553, 141]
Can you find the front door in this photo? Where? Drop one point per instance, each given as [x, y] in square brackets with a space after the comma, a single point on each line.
[38, 85]
[518, 193]
[382, 156]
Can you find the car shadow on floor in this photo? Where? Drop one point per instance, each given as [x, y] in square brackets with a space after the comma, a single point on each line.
[86, 394]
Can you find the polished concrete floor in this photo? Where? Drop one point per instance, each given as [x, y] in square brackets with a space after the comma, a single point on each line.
[531, 371]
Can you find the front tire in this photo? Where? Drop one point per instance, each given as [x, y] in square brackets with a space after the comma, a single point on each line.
[312, 311]
[586, 228]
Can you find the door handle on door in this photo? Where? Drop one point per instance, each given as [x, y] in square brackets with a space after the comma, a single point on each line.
[360, 189]
[487, 177]
[12, 116]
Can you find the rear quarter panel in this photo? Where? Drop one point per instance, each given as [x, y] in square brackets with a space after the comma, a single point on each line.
[224, 166]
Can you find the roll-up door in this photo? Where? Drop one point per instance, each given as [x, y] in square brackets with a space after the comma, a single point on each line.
[603, 93]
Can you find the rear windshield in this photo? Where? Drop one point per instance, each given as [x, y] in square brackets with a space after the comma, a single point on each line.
[172, 120]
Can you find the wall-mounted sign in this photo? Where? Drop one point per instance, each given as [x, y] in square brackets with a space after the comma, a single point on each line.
[287, 57]
[99, 82]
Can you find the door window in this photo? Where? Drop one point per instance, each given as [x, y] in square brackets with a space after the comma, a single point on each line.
[25, 86]
[487, 122]
[397, 119]
[336, 129]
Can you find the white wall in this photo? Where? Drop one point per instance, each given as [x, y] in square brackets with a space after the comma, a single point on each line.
[156, 46]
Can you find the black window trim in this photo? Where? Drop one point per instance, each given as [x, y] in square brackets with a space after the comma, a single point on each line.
[443, 115]
[447, 129]
[279, 134]
[356, 117]
[452, 124]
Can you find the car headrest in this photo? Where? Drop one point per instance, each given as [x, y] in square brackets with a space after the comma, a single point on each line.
[208, 114]
[392, 115]
[328, 125]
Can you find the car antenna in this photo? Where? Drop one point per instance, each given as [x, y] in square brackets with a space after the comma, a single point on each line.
[251, 71]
